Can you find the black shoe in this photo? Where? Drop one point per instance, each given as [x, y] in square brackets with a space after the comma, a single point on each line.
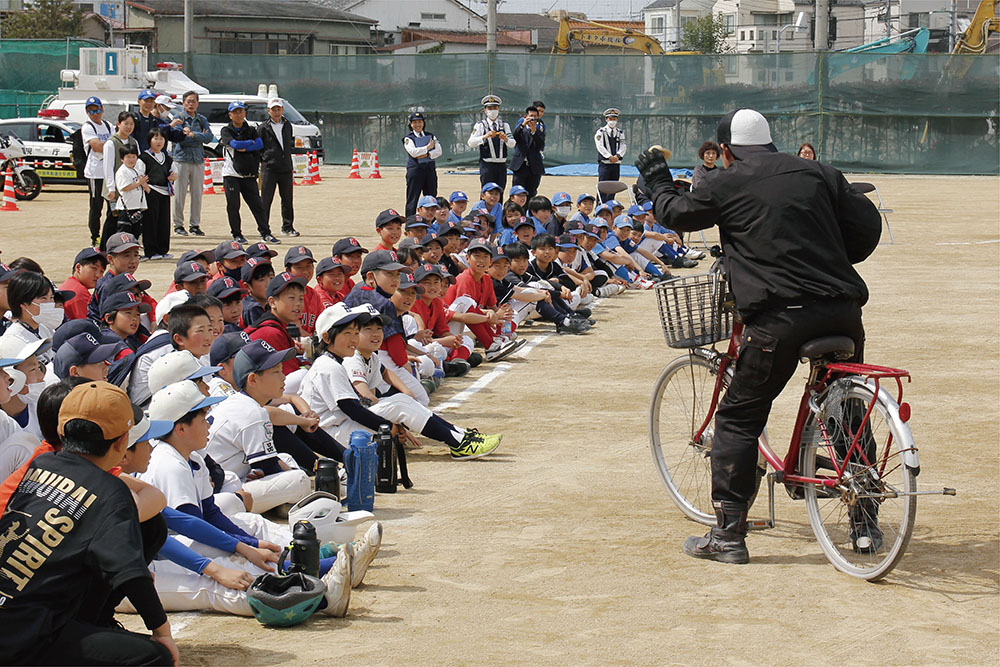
[269, 238]
[683, 263]
[571, 326]
[725, 543]
[475, 359]
[866, 536]
[196, 231]
[179, 231]
[239, 238]
[290, 232]
[589, 320]
[583, 312]
[456, 368]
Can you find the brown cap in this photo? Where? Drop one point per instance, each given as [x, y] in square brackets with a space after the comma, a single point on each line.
[101, 403]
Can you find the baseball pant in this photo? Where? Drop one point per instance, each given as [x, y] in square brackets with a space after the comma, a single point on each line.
[287, 486]
[190, 178]
[180, 589]
[493, 172]
[466, 304]
[527, 179]
[607, 172]
[236, 187]
[283, 180]
[421, 179]
[305, 447]
[411, 381]
[401, 409]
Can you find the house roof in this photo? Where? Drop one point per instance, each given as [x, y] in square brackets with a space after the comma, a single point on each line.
[357, 4]
[575, 24]
[546, 27]
[286, 9]
[660, 4]
[459, 37]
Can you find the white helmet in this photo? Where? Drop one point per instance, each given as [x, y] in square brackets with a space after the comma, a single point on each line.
[323, 511]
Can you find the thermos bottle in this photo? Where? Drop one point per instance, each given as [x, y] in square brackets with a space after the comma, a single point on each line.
[304, 550]
[328, 477]
[385, 475]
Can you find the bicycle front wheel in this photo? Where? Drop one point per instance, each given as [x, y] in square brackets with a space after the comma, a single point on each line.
[864, 525]
[680, 403]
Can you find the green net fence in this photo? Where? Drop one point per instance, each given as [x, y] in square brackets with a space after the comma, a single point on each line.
[29, 71]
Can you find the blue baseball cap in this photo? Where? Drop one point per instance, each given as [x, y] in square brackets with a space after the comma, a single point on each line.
[233, 106]
[147, 94]
[614, 202]
[458, 195]
[647, 206]
[93, 101]
[255, 357]
[623, 220]
[635, 209]
[585, 195]
[491, 186]
[427, 201]
[602, 207]
[560, 198]
[600, 222]
[517, 190]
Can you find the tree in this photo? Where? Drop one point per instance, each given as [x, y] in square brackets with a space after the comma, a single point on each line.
[45, 19]
[706, 34]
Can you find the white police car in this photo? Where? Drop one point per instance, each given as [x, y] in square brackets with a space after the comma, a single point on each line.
[47, 144]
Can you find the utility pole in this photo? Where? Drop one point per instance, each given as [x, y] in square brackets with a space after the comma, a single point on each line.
[953, 29]
[491, 26]
[888, 18]
[188, 29]
[677, 22]
[821, 40]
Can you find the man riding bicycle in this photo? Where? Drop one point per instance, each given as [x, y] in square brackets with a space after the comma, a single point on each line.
[791, 230]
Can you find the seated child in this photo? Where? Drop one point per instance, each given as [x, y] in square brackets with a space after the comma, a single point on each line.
[491, 195]
[389, 227]
[331, 276]
[88, 266]
[430, 314]
[584, 207]
[191, 277]
[286, 299]
[230, 294]
[562, 208]
[417, 226]
[531, 294]
[299, 262]
[256, 274]
[519, 195]
[120, 315]
[348, 251]
[123, 257]
[230, 258]
[459, 201]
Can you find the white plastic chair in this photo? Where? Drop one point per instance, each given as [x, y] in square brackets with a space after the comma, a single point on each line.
[865, 188]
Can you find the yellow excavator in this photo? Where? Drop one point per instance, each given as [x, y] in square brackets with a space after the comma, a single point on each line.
[600, 34]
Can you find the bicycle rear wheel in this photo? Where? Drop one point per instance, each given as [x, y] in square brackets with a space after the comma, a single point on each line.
[864, 526]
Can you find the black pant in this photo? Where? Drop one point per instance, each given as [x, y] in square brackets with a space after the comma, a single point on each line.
[304, 447]
[527, 179]
[420, 179]
[156, 224]
[235, 187]
[79, 643]
[493, 172]
[767, 361]
[283, 180]
[607, 172]
[97, 204]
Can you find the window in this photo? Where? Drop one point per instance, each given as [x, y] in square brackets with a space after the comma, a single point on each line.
[52, 134]
[22, 131]
[765, 19]
[730, 23]
[429, 16]
[656, 24]
[259, 43]
[743, 35]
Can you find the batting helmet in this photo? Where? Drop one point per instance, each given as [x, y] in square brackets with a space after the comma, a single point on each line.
[323, 511]
[284, 600]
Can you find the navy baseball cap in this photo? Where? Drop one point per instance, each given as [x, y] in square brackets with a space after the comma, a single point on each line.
[147, 94]
[425, 270]
[121, 301]
[387, 216]
[479, 216]
[480, 244]
[491, 186]
[415, 221]
[523, 222]
[328, 264]
[192, 255]
[593, 230]
[517, 190]
[585, 195]
[248, 269]
[188, 272]
[120, 242]
[80, 350]
[411, 242]
[88, 254]
[565, 241]
[260, 250]
[257, 356]
[385, 260]
[560, 198]
[93, 101]
[298, 253]
[236, 104]
[498, 253]
[574, 227]
[229, 250]
[427, 201]
[72, 328]
[416, 115]
[458, 195]
[432, 237]
[281, 281]
[125, 282]
[226, 346]
[449, 226]
[6, 273]
[225, 287]
[407, 280]
[346, 246]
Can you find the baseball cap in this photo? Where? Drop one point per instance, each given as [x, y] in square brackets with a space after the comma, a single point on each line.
[745, 131]
[574, 227]
[93, 101]
[328, 264]
[12, 347]
[479, 216]
[174, 367]
[260, 250]
[236, 104]
[416, 115]
[144, 429]
[458, 195]
[415, 221]
[585, 195]
[340, 313]
[165, 100]
[498, 253]
[431, 236]
[491, 186]
[225, 287]
[191, 255]
[407, 280]
[636, 210]
[593, 230]
[449, 226]
[188, 272]
[602, 208]
[247, 270]
[226, 346]
[347, 245]
[175, 400]
[126, 282]
[410, 242]
[276, 102]
[561, 198]
[147, 94]
[100, 403]
[600, 223]
[623, 220]
[565, 241]
[282, 280]
[385, 260]
[257, 356]
[6, 273]
[298, 253]
[425, 270]
[647, 206]
[80, 350]
[427, 201]
[169, 302]
[73, 328]
[121, 301]
[387, 216]
[84, 255]
[523, 222]
[120, 242]
[480, 244]
[517, 190]
[229, 250]
[614, 203]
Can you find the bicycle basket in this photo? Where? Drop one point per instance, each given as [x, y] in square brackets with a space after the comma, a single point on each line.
[691, 310]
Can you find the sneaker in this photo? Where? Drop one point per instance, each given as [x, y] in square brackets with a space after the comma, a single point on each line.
[196, 231]
[588, 320]
[583, 312]
[695, 254]
[572, 326]
[239, 238]
[475, 359]
[456, 368]
[338, 584]
[155, 257]
[363, 552]
[605, 291]
[179, 231]
[166, 255]
[290, 232]
[429, 385]
[475, 445]
[500, 349]
[270, 238]
[683, 263]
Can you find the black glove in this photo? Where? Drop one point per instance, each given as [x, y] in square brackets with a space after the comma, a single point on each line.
[655, 171]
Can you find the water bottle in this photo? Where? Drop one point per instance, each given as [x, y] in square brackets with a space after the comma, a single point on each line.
[304, 550]
[385, 475]
[328, 477]
[506, 329]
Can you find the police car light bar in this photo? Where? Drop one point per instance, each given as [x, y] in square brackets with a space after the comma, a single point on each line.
[53, 113]
[168, 65]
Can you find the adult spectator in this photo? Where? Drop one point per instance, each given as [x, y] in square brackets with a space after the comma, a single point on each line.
[276, 170]
[95, 132]
[241, 147]
[189, 154]
[709, 153]
[527, 161]
[807, 152]
[149, 118]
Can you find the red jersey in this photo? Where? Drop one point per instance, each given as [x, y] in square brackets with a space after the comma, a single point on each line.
[348, 286]
[434, 316]
[326, 298]
[313, 307]
[272, 331]
[76, 308]
[480, 290]
[382, 246]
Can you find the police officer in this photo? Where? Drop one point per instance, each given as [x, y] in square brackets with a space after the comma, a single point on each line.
[421, 175]
[493, 138]
[610, 141]
[791, 230]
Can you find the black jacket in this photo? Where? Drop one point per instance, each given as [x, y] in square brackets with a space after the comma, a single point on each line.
[246, 162]
[528, 149]
[791, 229]
[274, 157]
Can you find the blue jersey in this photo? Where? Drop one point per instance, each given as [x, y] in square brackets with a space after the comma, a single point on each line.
[506, 236]
[611, 242]
[453, 218]
[496, 212]
[539, 227]
[579, 216]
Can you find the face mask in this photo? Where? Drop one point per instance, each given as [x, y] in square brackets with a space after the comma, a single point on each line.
[233, 273]
[49, 316]
[563, 211]
[612, 124]
[17, 380]
[34, 392]
[492, 114]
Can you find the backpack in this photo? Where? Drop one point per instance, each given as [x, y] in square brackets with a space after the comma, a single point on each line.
[119, 371]
[360, 462]
[81, 151]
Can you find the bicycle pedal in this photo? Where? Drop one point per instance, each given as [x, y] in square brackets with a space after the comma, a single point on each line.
[759, 524]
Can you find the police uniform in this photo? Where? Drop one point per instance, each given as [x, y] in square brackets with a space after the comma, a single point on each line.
[492, 150]
[421, 175]
[610, 142]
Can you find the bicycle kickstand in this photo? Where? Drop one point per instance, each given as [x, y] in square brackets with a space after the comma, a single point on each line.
[764, 524]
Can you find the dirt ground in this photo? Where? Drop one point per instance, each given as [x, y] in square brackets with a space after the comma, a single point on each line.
[564, 548]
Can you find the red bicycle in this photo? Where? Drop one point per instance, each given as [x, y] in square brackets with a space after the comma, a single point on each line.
[851, 458]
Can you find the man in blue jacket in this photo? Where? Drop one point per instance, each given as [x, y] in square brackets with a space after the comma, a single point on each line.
[189, 155]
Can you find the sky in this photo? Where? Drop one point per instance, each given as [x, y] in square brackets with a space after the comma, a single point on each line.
[595, 9]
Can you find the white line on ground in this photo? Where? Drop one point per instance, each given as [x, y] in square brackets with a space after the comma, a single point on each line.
[180, 621]
[483, 382]
[968, 242]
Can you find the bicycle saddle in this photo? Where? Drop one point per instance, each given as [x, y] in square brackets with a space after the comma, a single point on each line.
[839, 348]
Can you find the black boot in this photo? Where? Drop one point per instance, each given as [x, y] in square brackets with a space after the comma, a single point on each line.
[725, 543]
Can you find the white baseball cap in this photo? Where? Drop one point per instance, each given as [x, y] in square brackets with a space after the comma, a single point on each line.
[176, 400]
[15, 348]
[168, 302]
[339, 313]
[276, 102]
[176, 366]
[745, 131]
[165, 100]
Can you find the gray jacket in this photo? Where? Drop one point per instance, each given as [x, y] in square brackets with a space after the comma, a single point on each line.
[192, 149]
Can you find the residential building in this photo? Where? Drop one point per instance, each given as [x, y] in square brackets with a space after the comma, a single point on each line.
[539, 29]
[392, 16]
[764, 26]
[660, 19]
[413, 40]
[934, 15]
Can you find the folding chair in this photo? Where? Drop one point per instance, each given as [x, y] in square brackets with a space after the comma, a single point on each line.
[865, 188]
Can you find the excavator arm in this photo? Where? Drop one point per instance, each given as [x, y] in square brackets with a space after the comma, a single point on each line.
[599, 34]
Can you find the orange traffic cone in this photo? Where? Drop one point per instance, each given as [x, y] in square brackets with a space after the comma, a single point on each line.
[375, 172]
[315, 162]
[208, 188]
[309, 178]
[9, 203]
[355, 167]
